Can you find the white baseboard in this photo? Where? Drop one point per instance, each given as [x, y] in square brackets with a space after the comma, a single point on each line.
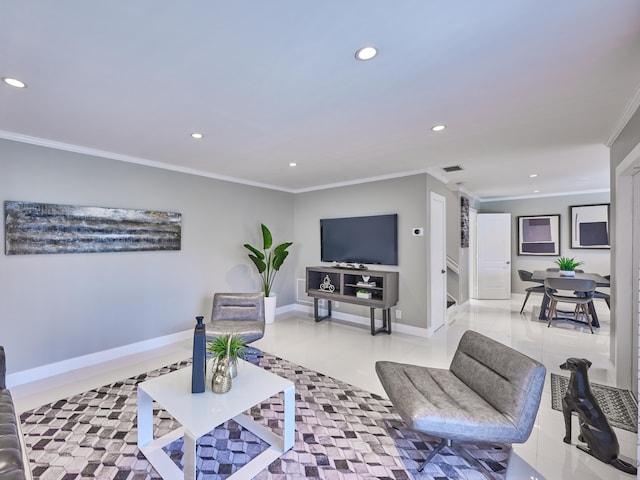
[65, 366]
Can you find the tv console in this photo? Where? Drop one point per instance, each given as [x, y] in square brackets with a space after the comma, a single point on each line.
[344, 284]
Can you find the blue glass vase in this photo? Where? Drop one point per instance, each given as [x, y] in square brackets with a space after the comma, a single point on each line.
[198, 367]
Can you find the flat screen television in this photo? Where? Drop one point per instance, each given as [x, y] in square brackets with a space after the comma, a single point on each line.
[371, 239]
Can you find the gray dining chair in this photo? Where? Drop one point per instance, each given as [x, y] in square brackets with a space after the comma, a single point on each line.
[525, 276]
[602, 295]
[578, 292]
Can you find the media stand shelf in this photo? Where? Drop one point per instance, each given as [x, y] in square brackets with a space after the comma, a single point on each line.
[342, 285]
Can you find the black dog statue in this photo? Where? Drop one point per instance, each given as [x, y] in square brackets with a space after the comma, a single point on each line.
[595, 430]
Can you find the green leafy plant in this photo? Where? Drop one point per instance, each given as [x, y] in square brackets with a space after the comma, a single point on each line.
[268, 261]
[362, 290]
[567, 264]
[231, 343]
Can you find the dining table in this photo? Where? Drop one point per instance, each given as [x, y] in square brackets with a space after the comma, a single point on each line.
[542, 275]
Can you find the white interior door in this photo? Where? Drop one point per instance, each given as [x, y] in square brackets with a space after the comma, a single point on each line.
[494, 256]
[438, 262]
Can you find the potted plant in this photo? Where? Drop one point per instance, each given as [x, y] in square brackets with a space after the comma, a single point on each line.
[228, 344]
[268, 262]
[362, 293]
[567, 266]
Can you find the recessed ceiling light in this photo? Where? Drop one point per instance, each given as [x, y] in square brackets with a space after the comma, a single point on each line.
[533, 175]
[438, 128]
[536, 191]
[197, 136]
[366, 53]
[293, 164]
[14, 82]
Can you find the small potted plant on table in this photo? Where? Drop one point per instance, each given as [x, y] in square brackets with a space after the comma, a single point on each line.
[567, 266]
[228, 344]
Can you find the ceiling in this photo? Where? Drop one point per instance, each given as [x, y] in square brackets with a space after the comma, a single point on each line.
[524, 88]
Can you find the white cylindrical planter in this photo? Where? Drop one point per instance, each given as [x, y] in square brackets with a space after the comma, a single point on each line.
[270, 308]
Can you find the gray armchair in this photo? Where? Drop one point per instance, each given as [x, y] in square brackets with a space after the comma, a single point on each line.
[237, 313]
[489, 394]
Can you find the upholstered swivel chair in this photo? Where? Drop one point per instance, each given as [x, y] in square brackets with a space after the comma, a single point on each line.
[578, 292]
[489, 394]
[525, 276]
[237, 313]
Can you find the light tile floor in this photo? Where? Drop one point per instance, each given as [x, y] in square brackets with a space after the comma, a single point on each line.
[349, 352]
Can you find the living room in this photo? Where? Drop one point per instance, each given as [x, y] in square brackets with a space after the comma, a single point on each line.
[98, 295]
[61, 313]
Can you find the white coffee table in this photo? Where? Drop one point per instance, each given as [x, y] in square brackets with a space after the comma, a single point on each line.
[200, 413]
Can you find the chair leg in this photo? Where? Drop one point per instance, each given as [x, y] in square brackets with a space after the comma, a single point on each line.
[444, 443]
[525, 302]
[472, 461]
[462, 452]
[552, 311]
[587, 316]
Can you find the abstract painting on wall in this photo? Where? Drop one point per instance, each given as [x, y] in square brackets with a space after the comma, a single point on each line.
[41, 228]
[539, 235]
[464, 222]
[590, 226]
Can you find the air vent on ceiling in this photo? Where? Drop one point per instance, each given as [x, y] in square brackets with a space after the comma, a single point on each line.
[454, 168]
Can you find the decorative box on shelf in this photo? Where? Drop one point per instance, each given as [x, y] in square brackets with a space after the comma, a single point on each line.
[366, 295]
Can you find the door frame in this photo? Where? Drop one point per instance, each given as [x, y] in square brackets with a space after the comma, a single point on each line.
[440, 278]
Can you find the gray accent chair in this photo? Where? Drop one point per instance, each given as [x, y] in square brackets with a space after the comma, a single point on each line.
[237, 313]
[489, 394]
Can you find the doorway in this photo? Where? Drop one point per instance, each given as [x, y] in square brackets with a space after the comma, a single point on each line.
[494, 256]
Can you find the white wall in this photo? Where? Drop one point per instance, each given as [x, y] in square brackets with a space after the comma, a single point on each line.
[57, 307]
[598, 261]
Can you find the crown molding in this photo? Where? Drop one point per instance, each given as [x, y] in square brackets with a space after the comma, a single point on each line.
[537, 195]
[43, 142]
[627, 113]
[361, 180]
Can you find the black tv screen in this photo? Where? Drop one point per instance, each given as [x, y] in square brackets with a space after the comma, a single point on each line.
[372, 239]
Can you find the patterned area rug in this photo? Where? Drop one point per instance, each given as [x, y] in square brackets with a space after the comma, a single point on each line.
[341, 433]
[619, 406]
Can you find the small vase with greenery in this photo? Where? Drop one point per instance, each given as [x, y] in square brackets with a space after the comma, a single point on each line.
[268, 261]
[567, 264]
[227, 345]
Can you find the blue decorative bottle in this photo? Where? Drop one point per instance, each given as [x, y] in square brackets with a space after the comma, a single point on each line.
[199, 353]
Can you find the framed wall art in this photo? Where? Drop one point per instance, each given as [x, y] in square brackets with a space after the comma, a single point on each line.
[464, 222]
[539, 235]
[590, 226]
[44, 228]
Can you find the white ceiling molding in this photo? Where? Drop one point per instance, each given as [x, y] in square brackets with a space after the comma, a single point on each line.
[43, 142]
[628, 112]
